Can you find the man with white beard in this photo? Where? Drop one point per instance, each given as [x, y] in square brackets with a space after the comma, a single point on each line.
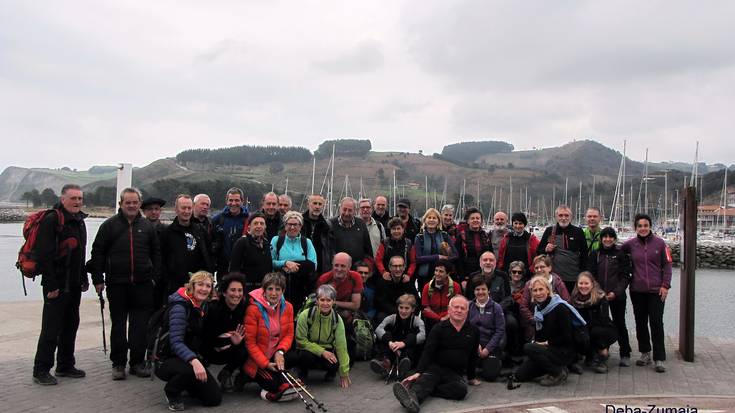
[567, 247]
[499, 229]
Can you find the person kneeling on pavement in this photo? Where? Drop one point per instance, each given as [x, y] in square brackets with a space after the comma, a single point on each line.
[399, 337]
[487, 316]
[224, 330]
[320, 339]
[268, 336]
[589, 300]
[183, 369]
[450, 352]
[553, 346]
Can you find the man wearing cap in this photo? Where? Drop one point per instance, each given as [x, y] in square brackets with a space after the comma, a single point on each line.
[411, 225]
[518, 245]
[151, 208]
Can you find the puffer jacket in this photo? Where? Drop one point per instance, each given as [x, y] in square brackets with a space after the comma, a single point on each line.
[186, 326]
[267, 330]
[126, 252]
[651, 262]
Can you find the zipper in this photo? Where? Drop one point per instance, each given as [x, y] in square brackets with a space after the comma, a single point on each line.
[132, 263]
[645, 264]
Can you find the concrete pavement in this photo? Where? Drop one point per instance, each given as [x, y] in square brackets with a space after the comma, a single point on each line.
[712, 374]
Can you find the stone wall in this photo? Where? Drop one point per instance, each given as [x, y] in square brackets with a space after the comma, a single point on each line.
[719, 256]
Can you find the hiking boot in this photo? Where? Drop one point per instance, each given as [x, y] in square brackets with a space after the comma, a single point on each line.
[72, 372]
[175, 404]
[550, 380]
[600, 366]
[285, 393]
[225, 381]
[381, 367]
[624, 361]
[140, 370]
[118, 372]
[644, 360]
[406, 397]
[45, 379]
[403, 368]
[659, 366]
[575, 368]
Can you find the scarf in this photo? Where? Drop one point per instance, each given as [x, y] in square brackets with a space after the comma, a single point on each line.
[450, 283]
[538, 315]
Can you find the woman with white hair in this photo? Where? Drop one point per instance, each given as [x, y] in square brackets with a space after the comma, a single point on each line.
[321, 342]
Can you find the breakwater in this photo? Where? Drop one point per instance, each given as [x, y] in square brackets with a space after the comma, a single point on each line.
[12, 215]
[709, 255]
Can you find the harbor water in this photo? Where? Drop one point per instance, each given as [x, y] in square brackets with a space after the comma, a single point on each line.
[712, 296]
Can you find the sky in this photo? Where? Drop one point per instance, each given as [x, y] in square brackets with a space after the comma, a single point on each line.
[101, 82]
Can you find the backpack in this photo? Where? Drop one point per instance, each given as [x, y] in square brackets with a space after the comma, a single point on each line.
[310, 307]
[158, 346]
[364, 338]
[282, 239]
[27, 261]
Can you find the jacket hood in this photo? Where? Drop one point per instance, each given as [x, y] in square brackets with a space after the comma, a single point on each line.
[266, 311]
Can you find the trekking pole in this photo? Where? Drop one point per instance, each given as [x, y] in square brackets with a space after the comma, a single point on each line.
[319, 404]
[390, 373]
[307, 403]
[102, 313]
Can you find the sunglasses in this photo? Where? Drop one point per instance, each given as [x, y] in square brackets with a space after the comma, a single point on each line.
[516, 272]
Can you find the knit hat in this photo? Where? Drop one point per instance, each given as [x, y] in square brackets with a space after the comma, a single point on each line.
[520, 217]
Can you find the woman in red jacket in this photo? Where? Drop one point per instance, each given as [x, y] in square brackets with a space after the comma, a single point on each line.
[269, 332]
[437, 293]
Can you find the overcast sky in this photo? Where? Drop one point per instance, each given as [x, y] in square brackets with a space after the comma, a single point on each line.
[102, 81]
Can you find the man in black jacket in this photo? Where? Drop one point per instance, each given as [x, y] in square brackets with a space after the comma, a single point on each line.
[316, 229]
[350, 235]
[61, 259]
[126, 258]
[184, 247]
[411, 225]
[567, 247]
[450, 352]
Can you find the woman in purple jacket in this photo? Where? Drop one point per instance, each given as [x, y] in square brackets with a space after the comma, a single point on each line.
[487, 316]
[651, 264]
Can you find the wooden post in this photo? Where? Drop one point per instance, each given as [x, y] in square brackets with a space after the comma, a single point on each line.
[688, 270]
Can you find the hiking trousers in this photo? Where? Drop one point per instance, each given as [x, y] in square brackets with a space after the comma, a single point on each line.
[440, 382]
[649, 309]
[541, 360]
[59, 325]
[179, 376]
[131, 306]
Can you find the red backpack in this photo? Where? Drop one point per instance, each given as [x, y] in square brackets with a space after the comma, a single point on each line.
[27, 258]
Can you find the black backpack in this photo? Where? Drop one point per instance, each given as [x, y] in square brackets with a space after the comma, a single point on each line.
[158, 346]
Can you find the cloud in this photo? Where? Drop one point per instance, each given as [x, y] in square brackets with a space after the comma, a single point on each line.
[365, 57]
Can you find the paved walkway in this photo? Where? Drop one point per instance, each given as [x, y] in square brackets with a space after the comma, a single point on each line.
[712, 374]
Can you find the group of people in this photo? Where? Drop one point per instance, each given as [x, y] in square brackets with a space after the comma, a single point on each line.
[275, 290]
